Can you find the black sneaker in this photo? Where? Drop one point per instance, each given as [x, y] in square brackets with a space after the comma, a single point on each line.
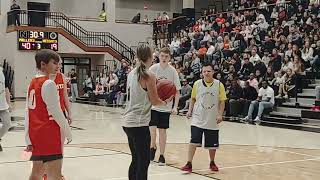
[162, 161]
[152, 153]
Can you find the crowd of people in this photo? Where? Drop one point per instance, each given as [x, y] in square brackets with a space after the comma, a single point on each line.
[275, 44]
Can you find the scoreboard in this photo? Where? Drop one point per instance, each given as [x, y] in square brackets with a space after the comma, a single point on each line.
[36, 40]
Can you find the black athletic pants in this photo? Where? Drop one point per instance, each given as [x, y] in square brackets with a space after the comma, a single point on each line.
[139, 143]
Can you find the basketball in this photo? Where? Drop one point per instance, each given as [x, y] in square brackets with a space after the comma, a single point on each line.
[166, 89]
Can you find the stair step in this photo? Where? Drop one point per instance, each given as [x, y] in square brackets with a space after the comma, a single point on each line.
[287, 111]
[282, 120]
[309, 91]
[302, 100]
[302, 127]
[314, 85]
[307, 95]
[301, 105]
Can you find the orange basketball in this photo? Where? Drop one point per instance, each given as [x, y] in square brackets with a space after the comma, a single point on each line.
[166, 89]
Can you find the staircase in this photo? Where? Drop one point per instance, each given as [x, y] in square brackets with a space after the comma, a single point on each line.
[300, 117]
[87, 40]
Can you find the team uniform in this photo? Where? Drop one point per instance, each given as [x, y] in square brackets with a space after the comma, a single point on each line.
[205, 112]
[160, 115]
[46, 126]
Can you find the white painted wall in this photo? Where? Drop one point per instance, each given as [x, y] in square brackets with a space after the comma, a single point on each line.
[127, 9]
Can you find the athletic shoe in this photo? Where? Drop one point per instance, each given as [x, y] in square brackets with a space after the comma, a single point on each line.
[257, 121]
[1, 148]
[286, 96]
[213, 166]
[152, 153]
[162, 161]
[187, 168]
[245, 120]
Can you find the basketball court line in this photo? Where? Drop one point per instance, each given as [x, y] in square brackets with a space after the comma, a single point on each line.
[291, 152]
[67, 157]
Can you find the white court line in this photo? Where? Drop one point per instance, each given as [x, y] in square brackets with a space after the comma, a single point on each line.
[231, 167]
[291, 152]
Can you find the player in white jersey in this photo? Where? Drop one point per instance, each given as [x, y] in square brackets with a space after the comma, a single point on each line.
[160, 115]
[206, 109]
[4, 105]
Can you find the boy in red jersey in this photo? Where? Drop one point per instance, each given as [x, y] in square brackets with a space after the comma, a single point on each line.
[61, 83]
[46, 126]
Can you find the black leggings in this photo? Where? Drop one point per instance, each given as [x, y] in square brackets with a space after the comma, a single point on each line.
[139, 143]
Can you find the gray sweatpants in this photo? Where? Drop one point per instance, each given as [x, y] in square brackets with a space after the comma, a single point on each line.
[6, 122]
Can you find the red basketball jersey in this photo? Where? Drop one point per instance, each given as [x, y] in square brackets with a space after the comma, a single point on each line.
[44, 132]
[60, 86]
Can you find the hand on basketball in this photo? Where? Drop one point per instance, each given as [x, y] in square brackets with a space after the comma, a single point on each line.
[169, 99]
[219, 119]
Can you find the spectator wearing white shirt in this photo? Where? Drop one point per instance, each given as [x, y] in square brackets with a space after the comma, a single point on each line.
[211, 50]
[174, 46]
[265, 100]
[254, 57]
[207, 37]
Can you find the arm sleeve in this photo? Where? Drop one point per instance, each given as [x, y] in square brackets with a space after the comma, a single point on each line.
[222, 93]
[194, 90]
[50, 97]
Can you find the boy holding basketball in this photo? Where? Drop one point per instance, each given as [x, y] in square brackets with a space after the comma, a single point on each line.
[160, 115]
[46, 125]
[206, 109]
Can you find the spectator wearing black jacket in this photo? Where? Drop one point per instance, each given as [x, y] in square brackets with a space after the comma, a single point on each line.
[249, 94]
[276, 62]
[260, 66]
[246, 69]
[268, 45]
[235, 94]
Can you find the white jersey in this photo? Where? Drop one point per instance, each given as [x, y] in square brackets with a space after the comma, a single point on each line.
[170, 74]
[138, 108]
[3, 101]
[205, 110]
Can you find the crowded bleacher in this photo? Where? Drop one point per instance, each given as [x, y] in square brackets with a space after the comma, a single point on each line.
[274, 42]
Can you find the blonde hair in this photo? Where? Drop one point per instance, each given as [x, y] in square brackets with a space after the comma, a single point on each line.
[144, 53]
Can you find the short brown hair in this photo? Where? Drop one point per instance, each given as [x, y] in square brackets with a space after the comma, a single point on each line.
[45, 55]
[165, 50]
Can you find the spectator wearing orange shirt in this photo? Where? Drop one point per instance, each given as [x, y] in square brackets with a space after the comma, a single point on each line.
[202, 51]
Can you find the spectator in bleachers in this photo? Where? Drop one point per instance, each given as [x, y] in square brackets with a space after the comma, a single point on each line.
[145, 19]
[253, 81]
[287, 64]
[233, 103]
[88, 85]
[175, 46]
[247, 68]
[259, 65]
[136, 18]
[99, 89]
[185, 95]
[265, 101]
[165, 16]
[288, 84]
[16, 14]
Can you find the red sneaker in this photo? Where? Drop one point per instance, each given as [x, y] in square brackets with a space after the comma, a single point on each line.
[214, 167]
[187, 168]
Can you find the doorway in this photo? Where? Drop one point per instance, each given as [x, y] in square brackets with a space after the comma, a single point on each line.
[37, 13]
